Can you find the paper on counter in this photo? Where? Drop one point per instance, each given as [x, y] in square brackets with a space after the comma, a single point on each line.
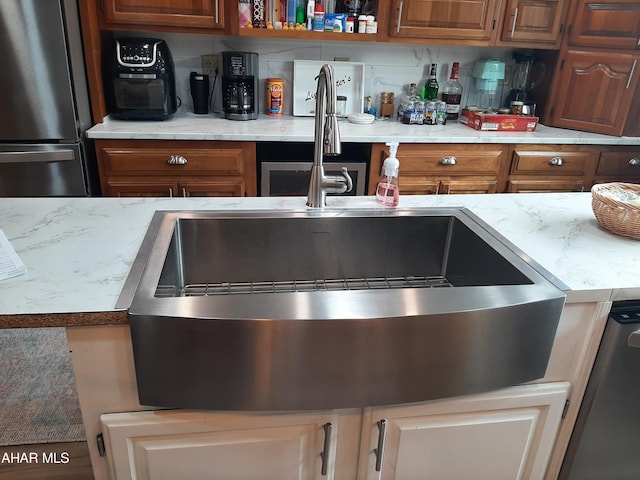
[10, 263]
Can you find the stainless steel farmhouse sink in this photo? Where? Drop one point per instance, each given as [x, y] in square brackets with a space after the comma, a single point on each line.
[332, 308]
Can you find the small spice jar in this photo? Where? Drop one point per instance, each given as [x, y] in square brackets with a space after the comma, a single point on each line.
[517, 107]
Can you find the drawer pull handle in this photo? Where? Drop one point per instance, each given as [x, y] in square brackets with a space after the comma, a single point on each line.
[177, 160]
[450, 160]
[634, 162]
[556, 161]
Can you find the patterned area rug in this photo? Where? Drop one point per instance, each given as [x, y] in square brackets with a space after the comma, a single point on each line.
[38, 400]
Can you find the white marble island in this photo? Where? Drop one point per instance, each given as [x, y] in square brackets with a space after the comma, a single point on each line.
[78, 251]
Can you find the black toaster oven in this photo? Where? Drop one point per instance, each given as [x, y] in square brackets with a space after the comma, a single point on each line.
[140, 80]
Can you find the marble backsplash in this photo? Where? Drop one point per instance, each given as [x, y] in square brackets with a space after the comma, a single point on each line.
[389, 67]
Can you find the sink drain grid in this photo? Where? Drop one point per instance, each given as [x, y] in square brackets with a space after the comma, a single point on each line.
[232, 288]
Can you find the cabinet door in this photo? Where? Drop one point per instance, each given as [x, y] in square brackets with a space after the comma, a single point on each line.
[507, 434]
[593, 91]
[141, 187]
[545, 185]
[213, 188]
[170, 445]
[606, 24]
[444, 19]
[454, 186]
[534, 22]
[165, 13]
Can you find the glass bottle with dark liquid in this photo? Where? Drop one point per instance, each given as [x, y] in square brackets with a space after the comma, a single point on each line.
[452, 93]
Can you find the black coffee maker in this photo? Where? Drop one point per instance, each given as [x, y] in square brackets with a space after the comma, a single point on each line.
[240, 85]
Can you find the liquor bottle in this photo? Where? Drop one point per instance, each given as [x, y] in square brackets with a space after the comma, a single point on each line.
[452, 93]
[430, 87]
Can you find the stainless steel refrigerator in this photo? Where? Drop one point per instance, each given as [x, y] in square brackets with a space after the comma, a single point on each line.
[44, 101]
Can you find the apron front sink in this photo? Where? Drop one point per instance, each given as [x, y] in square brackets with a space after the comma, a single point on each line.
[292, 310]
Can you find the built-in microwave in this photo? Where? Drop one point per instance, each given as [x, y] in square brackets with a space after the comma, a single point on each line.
[282, 179]
[284, 168]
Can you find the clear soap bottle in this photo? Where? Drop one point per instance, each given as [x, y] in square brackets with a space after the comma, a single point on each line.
[388, 190]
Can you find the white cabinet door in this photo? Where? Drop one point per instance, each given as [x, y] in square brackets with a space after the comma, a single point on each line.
[503, 435]
[170, 445]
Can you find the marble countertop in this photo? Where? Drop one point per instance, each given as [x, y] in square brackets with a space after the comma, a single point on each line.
[189, 126]
[78, 250]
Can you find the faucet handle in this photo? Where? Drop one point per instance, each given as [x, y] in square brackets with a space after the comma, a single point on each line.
[347, 178]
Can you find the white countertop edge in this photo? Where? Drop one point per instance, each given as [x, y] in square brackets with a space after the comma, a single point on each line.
[188, 126]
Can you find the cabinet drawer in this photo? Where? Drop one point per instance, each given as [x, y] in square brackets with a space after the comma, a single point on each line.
[533, 162]
[450, 160]
[218, 158]
[623, 163]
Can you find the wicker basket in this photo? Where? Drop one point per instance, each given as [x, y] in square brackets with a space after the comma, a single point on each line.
[613, 212]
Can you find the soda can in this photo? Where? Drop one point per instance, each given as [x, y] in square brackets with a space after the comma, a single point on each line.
[275, 96]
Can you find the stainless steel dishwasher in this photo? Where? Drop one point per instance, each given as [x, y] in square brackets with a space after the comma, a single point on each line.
[605, 443]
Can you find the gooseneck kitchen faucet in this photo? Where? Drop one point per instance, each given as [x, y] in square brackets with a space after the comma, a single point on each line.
[326, 142]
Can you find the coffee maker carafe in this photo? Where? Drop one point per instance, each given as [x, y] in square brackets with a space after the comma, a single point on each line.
[240, 85]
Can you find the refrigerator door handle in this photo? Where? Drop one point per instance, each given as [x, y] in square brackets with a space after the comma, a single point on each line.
[40, 156]
[633, 340]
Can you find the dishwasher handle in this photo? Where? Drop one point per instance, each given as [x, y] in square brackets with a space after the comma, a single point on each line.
[633, 340]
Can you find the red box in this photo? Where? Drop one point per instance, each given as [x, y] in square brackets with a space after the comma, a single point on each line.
[497, 122]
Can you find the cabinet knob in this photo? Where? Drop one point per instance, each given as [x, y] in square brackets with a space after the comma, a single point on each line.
[634, 162]
[177, 160]
[557, 161]
[450, 160]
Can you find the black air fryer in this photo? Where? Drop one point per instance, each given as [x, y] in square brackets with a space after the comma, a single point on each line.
[140, 80]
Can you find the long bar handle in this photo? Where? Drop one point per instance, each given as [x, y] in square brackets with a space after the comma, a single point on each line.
[399, 18]
[327, 427]
[379, 450]
[633, 70]
[513, 25]
[37, 156]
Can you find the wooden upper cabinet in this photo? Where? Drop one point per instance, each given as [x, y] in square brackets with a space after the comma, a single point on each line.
[471, 20]
[606, 24]
[533, 23]
[204, 14]
[594, 91]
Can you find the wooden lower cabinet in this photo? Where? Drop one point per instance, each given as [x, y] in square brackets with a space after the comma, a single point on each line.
[144, 168]
[507, 434]
[619, 164]
[444, 168]
[551, 168]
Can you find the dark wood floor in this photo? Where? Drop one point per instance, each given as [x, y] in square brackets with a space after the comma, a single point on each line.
[47, 461]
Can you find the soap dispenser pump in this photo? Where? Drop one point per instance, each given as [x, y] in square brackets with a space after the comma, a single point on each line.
[388, 191]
